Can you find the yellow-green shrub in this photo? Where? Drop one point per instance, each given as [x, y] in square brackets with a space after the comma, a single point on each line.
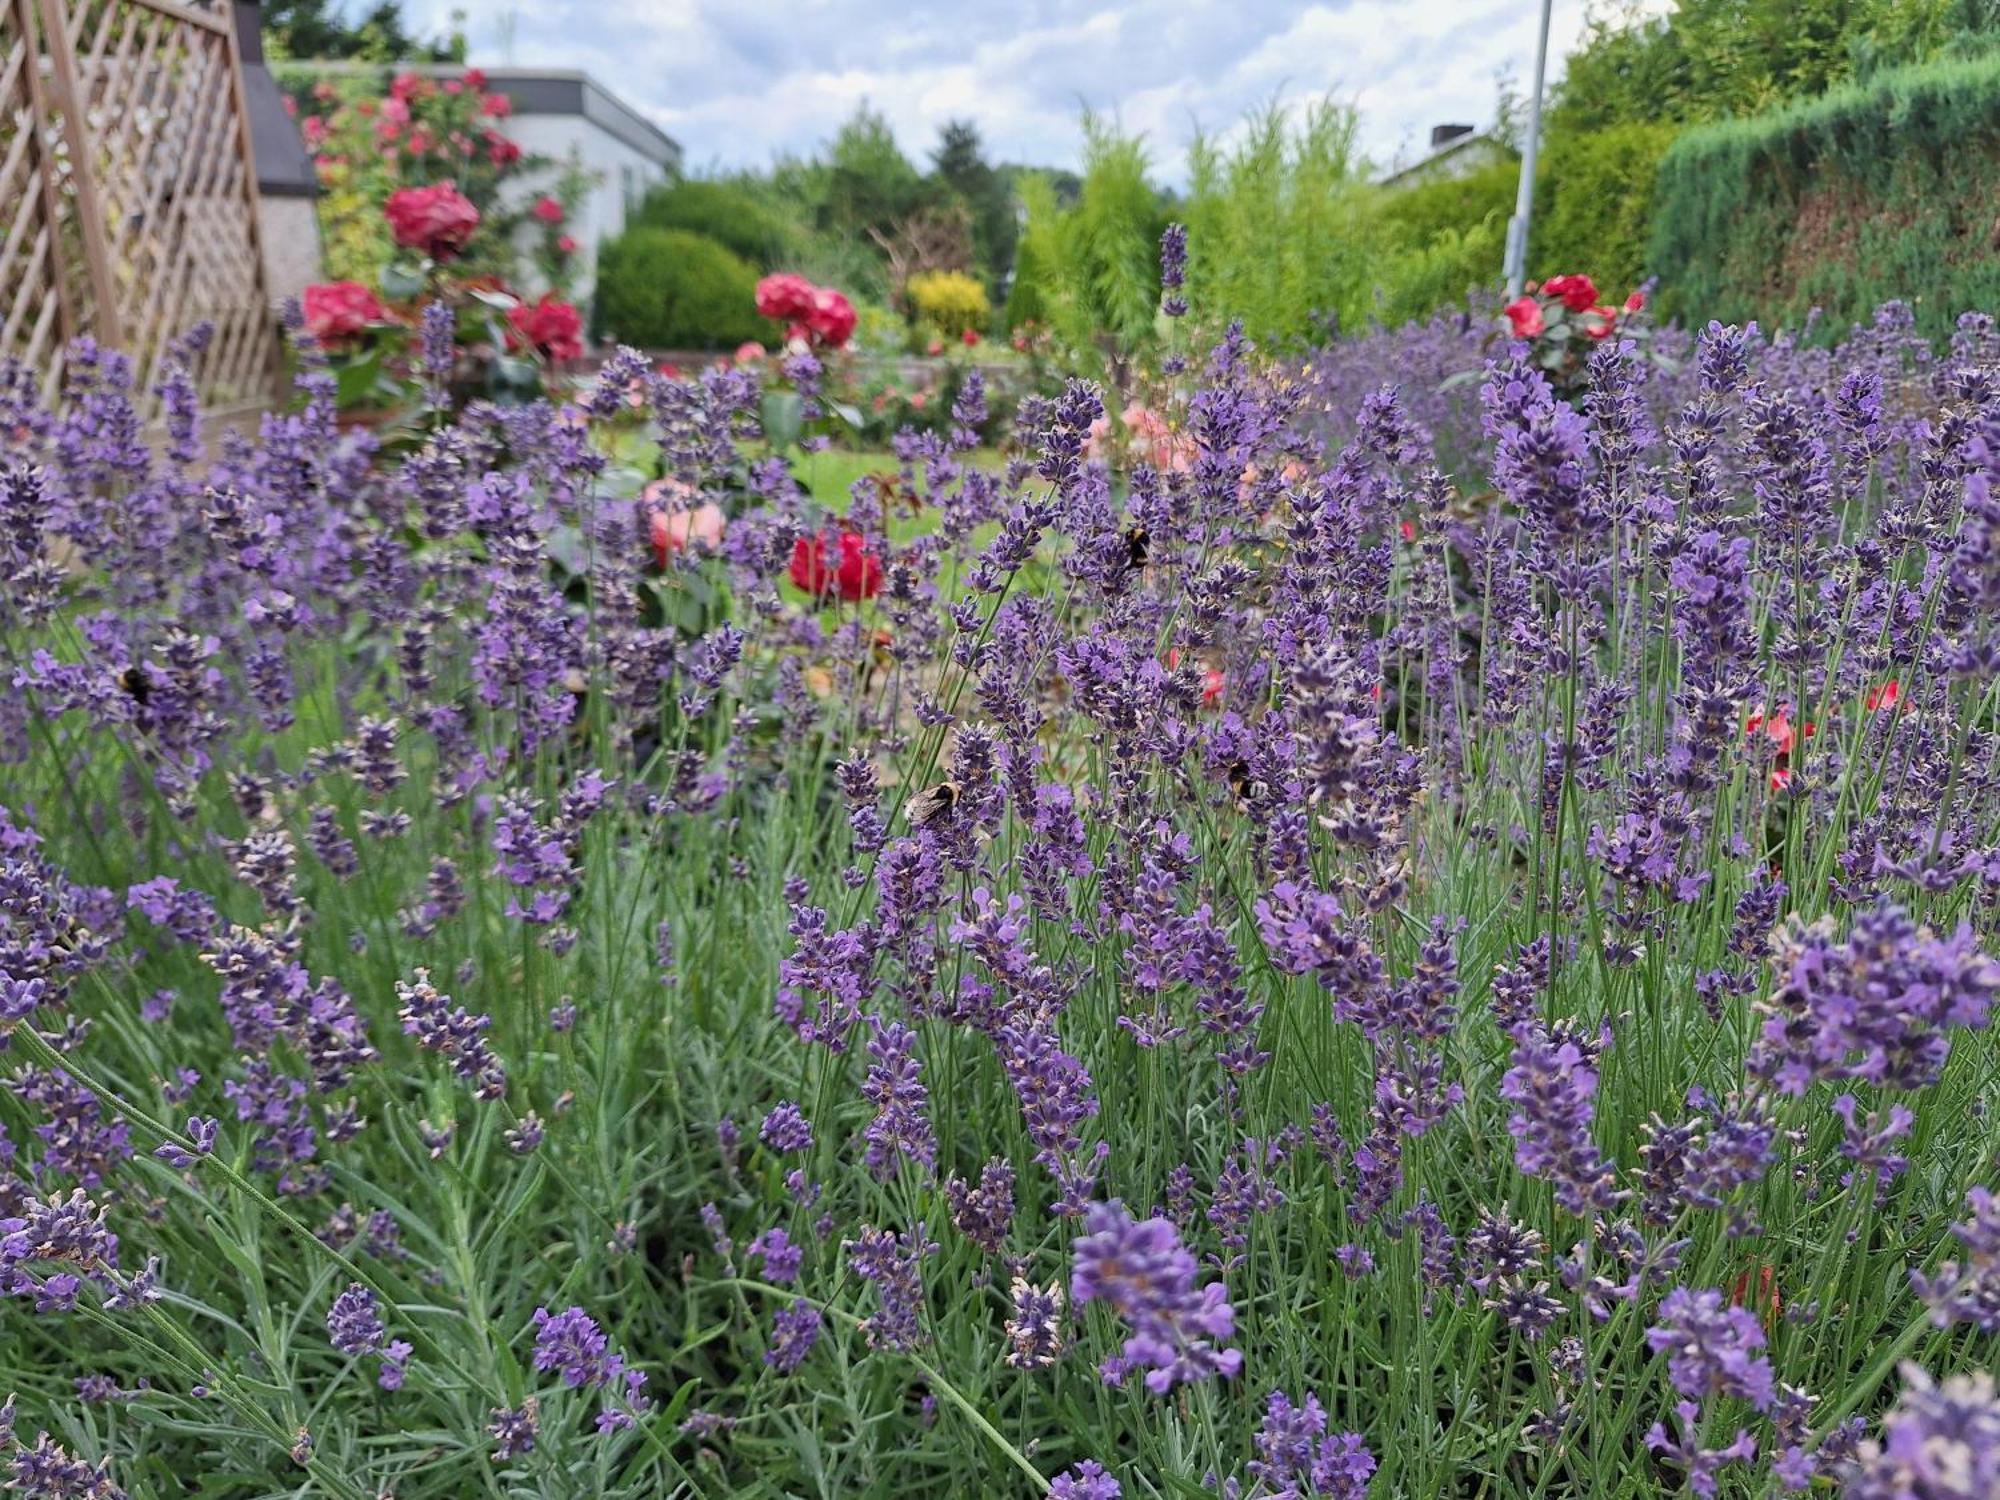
[949, 301]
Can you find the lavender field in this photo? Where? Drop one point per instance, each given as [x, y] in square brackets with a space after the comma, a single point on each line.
[1369, 934]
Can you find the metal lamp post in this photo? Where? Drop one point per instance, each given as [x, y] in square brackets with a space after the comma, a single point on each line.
[1524, 196]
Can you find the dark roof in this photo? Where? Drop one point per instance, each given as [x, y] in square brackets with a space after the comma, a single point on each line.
[284, 166]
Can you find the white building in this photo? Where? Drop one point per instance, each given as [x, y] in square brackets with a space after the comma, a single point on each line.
[564, 116]
[569, 116]
[1455, 151]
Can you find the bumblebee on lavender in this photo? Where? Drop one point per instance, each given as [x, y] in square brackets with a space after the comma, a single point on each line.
[931, 806]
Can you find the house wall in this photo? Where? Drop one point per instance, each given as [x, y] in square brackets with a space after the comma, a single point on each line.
[622, 177]
[1459, 159]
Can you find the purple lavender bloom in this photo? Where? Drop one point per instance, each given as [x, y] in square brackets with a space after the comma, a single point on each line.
[1700, 1464]
[1141, 1268]
[786, 1129]
[1711, 1349]
[1085, 1481]
[354, 1322]
[984, 1212]
[47, 1471]
[1553, 1084]
[1968, 1290]
[892, 1263]
[781, 1257]
[1877, 1008]
[514, 1430]
[1173, 269]
[900, 1128]
[452, 1032]
[395, 1365]
[794, 1331]
[1940, 1442]
[1034, 1325]
[571, 1343]
[1297, 1456]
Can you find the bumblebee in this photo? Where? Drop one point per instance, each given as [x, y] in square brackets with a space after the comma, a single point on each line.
[1138, 547]
[1243, 784]
[137, 685]
[928, 807]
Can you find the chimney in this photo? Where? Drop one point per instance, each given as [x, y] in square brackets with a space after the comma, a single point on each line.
[1444, 135]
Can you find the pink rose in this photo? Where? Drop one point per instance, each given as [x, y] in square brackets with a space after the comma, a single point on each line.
[550, 327]
[548, 210]
[785, 296]
[337, 311]
[437, 220]
[675, 524]
[1525, 313]
[831, 317]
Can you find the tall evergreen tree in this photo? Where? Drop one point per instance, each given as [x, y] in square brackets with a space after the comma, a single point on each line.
[960, 163]
[322, 29]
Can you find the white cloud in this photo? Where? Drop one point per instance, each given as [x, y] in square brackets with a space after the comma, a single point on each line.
[738, 81]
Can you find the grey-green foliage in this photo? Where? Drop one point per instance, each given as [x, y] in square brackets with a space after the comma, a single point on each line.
[1090, 270]
[1875, 191]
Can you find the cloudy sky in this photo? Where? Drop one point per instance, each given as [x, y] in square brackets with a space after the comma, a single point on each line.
[736, 81]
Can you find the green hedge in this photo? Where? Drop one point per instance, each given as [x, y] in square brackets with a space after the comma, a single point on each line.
[1878, 191]
[1419, 213]
[672, 289]
[1594, 204]
[731, 214]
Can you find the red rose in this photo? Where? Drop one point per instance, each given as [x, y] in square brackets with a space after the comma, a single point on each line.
[1598, 322]
[337, 311]
[550, 327]
[436, 220]
[831, 317]
[1577, 292]
[566, 245]
[548, 210]
[1885, 696]
[1525, 313]
[971, 337]
[404, 86]
[501, 151]
[1636, 302]
[785, 296]
[856, 575]
[475, 79]
[499, 106]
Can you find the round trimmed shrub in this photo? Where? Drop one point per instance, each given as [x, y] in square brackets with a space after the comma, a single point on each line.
[673, 289]
[725, 212]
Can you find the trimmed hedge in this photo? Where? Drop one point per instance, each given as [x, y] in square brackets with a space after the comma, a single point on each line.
[673, 289]
[1595, 191]
[1882, 190]
[1419, 213]
[729, 213]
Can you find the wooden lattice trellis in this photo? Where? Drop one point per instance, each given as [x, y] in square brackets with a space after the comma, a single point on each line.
[128, 199]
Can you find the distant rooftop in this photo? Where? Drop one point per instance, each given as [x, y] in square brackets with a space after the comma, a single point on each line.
[538, 91]
[1455, 149]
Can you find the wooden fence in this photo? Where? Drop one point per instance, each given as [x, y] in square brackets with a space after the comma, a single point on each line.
[128, 200]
